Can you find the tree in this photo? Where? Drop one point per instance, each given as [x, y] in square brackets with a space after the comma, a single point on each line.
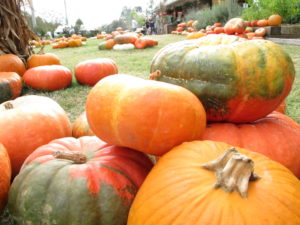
[77, 26]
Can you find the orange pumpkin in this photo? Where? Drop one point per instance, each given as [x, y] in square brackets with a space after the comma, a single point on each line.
[219, 30]
[140, 43]
[276, 136]
[190, 23]
[145, 115]
[5, 176]
[260, 32]
[126, 38]
[195, 35]
[199, 183]
[262, 23]
[235, 25]
[49, 78]
[282, 107]
[275, 20]
[81, 127]
[10, 86]
[30, 121]
[43, 59]
[12, 63]
[89, 72]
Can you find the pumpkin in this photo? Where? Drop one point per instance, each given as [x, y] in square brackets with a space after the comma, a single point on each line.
[195, 35]
[120, 47]
[275, 20]
[10, 86]
[248, 29]
[260, 32]
[219, 30]
[61, 44]
[109, 44]
[42, 59]
[49, 78]
[254, 23]
[5, 176]
[218, 24]
[236, 80]
[90, 71]
[74, 43]
[250, 35]
[276, 136]
[149, 41]
[206, 182]
[29, 122]
[81, 127]
[190, 23]
[262, 23]
[140, 43]
[86, 180]
[145, 115]
[12, 63]
[235, 25]
[282, 107]
[126, 38]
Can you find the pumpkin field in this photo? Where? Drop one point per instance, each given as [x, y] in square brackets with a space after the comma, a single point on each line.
[142, 109]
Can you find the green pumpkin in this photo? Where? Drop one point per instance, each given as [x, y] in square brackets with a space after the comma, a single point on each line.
[236, 80]
[10, 86]
[77, 182]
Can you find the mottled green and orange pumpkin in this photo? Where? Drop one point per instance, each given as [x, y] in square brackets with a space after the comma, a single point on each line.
[144, 115]
[235, 26]
[77, 181]
[211, 183]
[10, 86]
[126, 38]
[109, 44]
[235, 79]
[29, 122]
[5, 176]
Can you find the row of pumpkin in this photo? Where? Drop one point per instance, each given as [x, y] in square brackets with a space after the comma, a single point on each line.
[156, 118]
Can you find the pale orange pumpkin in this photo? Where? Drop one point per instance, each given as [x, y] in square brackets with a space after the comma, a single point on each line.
[5, 176]
[182, 189]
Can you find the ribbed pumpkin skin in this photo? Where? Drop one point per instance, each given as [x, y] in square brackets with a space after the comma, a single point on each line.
[145, 115]
[43, 60]
[57, 191]
[90, 71]
[125, 38]
[276, 136]
[10, 86]
[236, 81]
[5, 175]
[12, 63]
[33, 121]
[81, 127]
[235, 25]
[179, 191]
[49, 78]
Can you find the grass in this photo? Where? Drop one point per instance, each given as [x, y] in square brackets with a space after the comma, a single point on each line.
[135, 62]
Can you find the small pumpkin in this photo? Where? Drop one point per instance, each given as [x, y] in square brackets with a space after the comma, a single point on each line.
[219, 30]
[260, 32]
[129, 111]
[42, 59]
[12, 63]
[275, 20]
[86, 181]
[121, 47]
[109, 44]
[81, 127]
[49, 78]
[276, 136]
[262, 23]
[140, 43]
[206, 182]
[10, 86]
[30, 121]
[5, 176]
[235, 25]
[90, 71]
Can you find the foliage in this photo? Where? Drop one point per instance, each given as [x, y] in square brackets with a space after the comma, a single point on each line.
[77, 26]
[221, 12]
[288, 9]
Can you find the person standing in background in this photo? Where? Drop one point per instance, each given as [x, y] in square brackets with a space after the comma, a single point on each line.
[152, 26]
[134, 24]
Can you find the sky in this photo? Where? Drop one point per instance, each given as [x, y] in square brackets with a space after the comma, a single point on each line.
[93, 13]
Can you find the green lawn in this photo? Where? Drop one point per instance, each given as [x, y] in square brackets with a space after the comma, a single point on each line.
[134, 62]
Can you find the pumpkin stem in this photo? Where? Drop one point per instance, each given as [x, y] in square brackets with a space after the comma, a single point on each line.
[233, 170]
[154, 75]
[8, 105]
[76, 157]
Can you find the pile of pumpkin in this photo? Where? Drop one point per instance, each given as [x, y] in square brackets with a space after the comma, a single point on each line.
[73, 41]
[126, 41]
[236, 26]
[207, 114]
[40, 43]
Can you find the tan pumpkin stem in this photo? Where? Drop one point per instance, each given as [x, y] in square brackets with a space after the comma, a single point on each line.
[234, 171]
[154, 75]
[8, 105]
[76, 157]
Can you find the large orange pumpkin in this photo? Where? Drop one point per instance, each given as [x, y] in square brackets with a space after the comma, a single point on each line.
[29, 122]
[235, 25]
[10, 86]
[89, 72]
[49, 78]
[12, 63]
[274, 20]
[5, 176]
[145, 115]
[276, 136]
[43, 59]
[182, 188]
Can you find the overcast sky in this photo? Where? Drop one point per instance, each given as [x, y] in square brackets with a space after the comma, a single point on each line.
[93, 13]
